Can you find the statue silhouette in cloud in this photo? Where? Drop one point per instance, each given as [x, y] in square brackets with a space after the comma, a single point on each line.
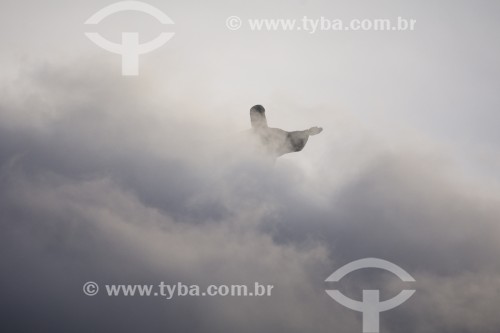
[274, 141]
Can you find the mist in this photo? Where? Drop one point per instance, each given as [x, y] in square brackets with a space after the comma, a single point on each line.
[155, 178]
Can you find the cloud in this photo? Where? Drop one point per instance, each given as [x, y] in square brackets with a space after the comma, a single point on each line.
[106, 180]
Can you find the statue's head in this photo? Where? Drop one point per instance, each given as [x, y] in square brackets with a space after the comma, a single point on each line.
[258, 116]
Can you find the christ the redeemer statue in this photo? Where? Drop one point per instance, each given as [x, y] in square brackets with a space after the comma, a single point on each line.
[275, 141]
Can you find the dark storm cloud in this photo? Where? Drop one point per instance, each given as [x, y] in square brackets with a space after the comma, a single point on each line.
[99, 182]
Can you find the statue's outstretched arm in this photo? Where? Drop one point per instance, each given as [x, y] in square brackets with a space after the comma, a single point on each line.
[297, 140]
[314, 130]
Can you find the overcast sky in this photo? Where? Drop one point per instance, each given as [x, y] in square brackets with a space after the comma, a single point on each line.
[141, 179]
